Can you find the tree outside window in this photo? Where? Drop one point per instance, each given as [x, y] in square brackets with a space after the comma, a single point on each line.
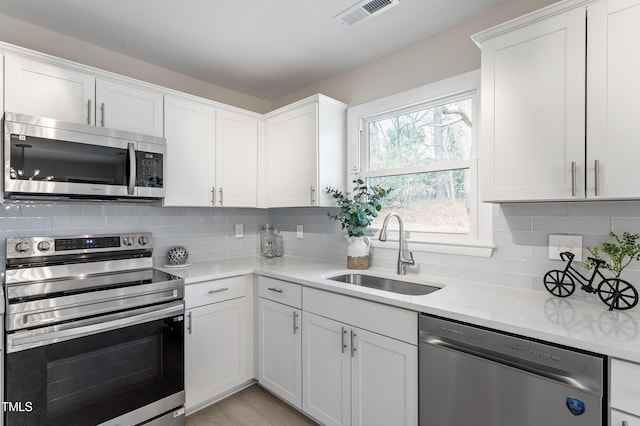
[426, 154]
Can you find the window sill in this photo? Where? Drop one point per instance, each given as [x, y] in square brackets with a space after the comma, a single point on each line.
[464, 249]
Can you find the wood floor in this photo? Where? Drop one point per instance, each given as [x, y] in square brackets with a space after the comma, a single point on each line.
[253, 406]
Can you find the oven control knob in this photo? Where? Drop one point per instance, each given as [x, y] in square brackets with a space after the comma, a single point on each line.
[23, 246]
[128, 241]
[143, 241]
[44, 245]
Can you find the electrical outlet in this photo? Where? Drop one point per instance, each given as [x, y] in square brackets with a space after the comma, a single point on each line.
[299, 232]
[562, 243]
[239, 230]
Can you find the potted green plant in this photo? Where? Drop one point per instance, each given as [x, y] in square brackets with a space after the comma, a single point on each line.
[357, 209]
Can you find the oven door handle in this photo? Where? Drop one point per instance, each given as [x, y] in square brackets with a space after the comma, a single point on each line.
[23, 340]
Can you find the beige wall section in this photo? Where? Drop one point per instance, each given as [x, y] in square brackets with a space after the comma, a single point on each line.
[35, 38]
[448, 53]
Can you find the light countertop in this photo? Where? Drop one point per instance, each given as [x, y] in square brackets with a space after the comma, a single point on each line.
[584, 323]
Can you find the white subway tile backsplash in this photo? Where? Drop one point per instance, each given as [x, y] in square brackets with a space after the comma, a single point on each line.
[571, 225]
[535, 209]
[507, 251]
[512, 223]
[520, 234]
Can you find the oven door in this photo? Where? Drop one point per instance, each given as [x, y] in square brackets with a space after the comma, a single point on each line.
[122, 368]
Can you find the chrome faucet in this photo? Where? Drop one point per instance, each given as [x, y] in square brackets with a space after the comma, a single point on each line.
[402, 260]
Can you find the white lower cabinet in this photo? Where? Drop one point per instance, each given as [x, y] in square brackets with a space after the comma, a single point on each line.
[279, 350]
[625, 393]
[326, 370]
[618, 418]
[216, 340]
[352, 374]
[384, 380]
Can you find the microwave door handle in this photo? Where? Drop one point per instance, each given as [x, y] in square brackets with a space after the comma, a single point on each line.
[132, 169]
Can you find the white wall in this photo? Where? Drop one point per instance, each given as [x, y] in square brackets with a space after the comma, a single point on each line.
[35, 38]
[446, 54]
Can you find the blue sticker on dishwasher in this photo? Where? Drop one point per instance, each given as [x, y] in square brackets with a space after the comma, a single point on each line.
[575, 406]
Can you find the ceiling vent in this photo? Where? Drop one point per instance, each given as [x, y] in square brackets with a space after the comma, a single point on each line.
[364, 10]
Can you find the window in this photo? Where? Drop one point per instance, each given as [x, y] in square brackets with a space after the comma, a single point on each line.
[423, 144]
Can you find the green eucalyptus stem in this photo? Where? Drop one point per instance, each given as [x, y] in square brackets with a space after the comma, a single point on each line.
[621, 253]
[359, 208]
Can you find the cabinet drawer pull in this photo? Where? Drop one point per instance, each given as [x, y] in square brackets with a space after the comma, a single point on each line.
[102, 114]
[189, 323]
[277, 290]
[295, 322]
[573, 178]
[89, 112]
[218, 290]
[353, 344]
[597, 177]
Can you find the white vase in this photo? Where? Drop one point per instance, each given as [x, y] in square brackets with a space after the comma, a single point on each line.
[358, 252]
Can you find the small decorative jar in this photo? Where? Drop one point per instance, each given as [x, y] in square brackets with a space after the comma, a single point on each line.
[177, 255]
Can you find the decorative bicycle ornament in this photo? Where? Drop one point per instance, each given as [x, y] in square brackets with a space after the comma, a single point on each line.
[614, 292]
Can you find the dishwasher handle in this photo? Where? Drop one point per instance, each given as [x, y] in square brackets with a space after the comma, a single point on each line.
[557, 375]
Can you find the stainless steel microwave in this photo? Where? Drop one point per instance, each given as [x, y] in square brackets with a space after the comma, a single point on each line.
[47, 158]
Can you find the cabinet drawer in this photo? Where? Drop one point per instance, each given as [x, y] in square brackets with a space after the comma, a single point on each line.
[214, 291]
[625, 392]
[383, 319]
[280, 291]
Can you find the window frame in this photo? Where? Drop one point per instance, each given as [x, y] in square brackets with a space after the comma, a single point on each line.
[478, 241]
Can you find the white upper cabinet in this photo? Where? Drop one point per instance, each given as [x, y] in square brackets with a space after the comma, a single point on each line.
[304, 152]
[66, 94]
[545, 78]
[36, 88]
[613, 88]
[127, 108]
[236, 159]
[1, 85]
[190, 134]
[533, 120]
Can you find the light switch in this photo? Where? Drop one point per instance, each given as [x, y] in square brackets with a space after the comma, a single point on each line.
[299, 232]
[562, 243]
[239, 230]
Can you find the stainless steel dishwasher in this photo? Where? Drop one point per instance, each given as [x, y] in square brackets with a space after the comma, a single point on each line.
[475, 376]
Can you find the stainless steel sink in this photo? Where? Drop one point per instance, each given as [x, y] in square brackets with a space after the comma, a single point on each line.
[386, 284]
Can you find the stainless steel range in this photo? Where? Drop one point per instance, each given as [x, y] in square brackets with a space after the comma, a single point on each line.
[94, 334]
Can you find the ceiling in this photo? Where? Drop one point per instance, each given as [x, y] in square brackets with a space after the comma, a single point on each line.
[266, 49]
